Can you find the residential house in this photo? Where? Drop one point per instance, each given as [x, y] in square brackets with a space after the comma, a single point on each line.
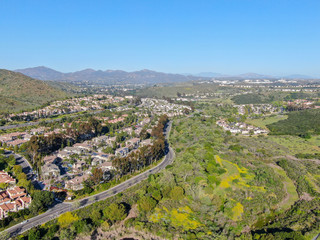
[64, 154]
[99, 140]
[6, 178]
[133, 143]
[76, 183]
[74, 150]
[146, 142]
[16, 142]
[111, 140]
[16, 192]
[106, 166]
[13, 200]
[37, 131]
[83, 146]
[77, 166]
[11, 136]
[50, 159]
[50, 170]
[127, 130]
[102, 156]
[122, 152]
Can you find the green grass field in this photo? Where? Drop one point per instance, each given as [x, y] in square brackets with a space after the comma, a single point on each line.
[296, 145]
[262, 122]
[290, 188]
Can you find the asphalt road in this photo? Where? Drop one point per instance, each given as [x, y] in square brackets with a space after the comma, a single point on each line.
[61, 208]
[19, 125]
[20, 160]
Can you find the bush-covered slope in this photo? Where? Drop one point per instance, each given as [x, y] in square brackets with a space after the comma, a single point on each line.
[19, 92]
[300, 123]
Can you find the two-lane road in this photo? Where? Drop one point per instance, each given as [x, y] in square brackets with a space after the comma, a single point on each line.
[23, 162]
[61, 208]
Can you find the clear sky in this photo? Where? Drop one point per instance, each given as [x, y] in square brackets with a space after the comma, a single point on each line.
[225, 36]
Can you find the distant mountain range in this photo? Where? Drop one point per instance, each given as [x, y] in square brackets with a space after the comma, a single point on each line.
[111, 77]
[107, 77]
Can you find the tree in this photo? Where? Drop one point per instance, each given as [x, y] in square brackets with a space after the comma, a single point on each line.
[11, 161]
[82, 102]
[105, 226]
[108, 150]
[66, 234]
[33, 146]
[34, 234]
[95, 125]
[67, 218]
[177, 193]
[96, 215]
[144, 134]
[27, 184]
[3, 185]
[4, 235]
[41, 200]
[97, 175]
[115, 212]
[22, 176]
[185, 170]
[81, 226]
[17, 169]
[16, 148]
[146, 204]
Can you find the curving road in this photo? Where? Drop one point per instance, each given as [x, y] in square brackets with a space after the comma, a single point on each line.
[60, 208]
[23, 162]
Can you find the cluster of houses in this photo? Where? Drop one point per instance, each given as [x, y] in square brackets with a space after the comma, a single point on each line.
[15, 139]
[240, 128]
[160, 106]
[73, 105]
[198, 96]
[303, 104]
[18, 138]
[13, 198]
[72, 165]
[296, 88]
[258, 109]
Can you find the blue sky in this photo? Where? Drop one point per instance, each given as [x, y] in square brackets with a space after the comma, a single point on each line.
[226, 36]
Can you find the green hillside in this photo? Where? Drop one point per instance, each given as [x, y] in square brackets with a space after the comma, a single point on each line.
[300, 123]
[65, 87]
[19, 92]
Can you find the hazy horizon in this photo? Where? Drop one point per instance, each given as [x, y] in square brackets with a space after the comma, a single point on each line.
[181, 73]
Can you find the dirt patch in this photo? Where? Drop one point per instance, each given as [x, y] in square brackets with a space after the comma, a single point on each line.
[306, 196]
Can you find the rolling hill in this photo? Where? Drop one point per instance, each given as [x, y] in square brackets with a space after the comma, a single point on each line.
[19, 92]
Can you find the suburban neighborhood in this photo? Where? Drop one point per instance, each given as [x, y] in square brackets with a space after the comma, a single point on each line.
[82, 151]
